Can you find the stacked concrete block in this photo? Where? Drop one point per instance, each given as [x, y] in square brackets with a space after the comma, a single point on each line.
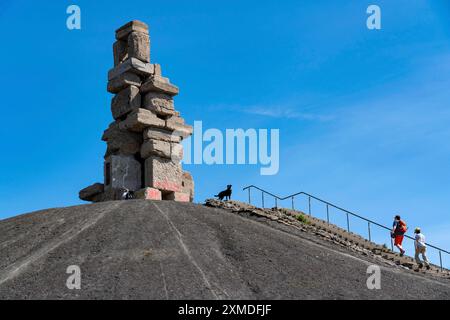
[122, 171]
[188, 185]
[120, 141]
[92, 193]
[144, 148]
[127, 100]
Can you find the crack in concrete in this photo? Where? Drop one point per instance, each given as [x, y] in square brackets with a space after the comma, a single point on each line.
[163, 276]
[186, 250]
[125, 174]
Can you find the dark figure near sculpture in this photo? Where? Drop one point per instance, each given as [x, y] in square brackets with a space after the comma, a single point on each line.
[225, 194]
[127, 194]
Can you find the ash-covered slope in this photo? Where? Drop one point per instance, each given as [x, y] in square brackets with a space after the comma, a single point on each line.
[142, 249]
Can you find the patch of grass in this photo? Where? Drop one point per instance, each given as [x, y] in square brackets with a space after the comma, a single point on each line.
[302, 219]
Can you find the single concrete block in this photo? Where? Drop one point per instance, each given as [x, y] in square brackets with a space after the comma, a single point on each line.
[162, 149]
[90, 193]
[178, 196]
[163, 174]
[188, 185]
[148, 194]
[159, 103]
[132, 65]
[98, 198]
[135, 25]
[123, 81]
[122, 172]
[176, 151]
[159, 84]
[125, 101]
[121, 142]
[175, 121]
[176, 125]
[141, 119]
[139, 46]
[158, 71]
[160, 134]
[120, 51]
[108, 195]
[156, 148]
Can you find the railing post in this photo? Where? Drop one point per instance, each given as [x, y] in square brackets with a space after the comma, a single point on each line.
[276, 203]
[368, 225]
[348, 223]
[262, 198]
[328, 214]
[392, 244]
[249, 197]
[440, 259]
[293, 208]
[309, 205]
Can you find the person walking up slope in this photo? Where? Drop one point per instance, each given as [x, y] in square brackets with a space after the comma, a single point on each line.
[398, 231]
[421, 248]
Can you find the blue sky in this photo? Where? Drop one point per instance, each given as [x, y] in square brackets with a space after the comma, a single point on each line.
[363, 115]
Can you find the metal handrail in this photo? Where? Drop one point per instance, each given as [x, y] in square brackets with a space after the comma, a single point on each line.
[329, 204]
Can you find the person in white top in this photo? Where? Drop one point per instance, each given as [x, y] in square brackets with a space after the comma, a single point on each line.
[421, 248]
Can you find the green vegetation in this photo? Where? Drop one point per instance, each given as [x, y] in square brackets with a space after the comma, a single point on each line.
[302, 219]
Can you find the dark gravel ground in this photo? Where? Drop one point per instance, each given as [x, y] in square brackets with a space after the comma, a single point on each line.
[166, 250]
